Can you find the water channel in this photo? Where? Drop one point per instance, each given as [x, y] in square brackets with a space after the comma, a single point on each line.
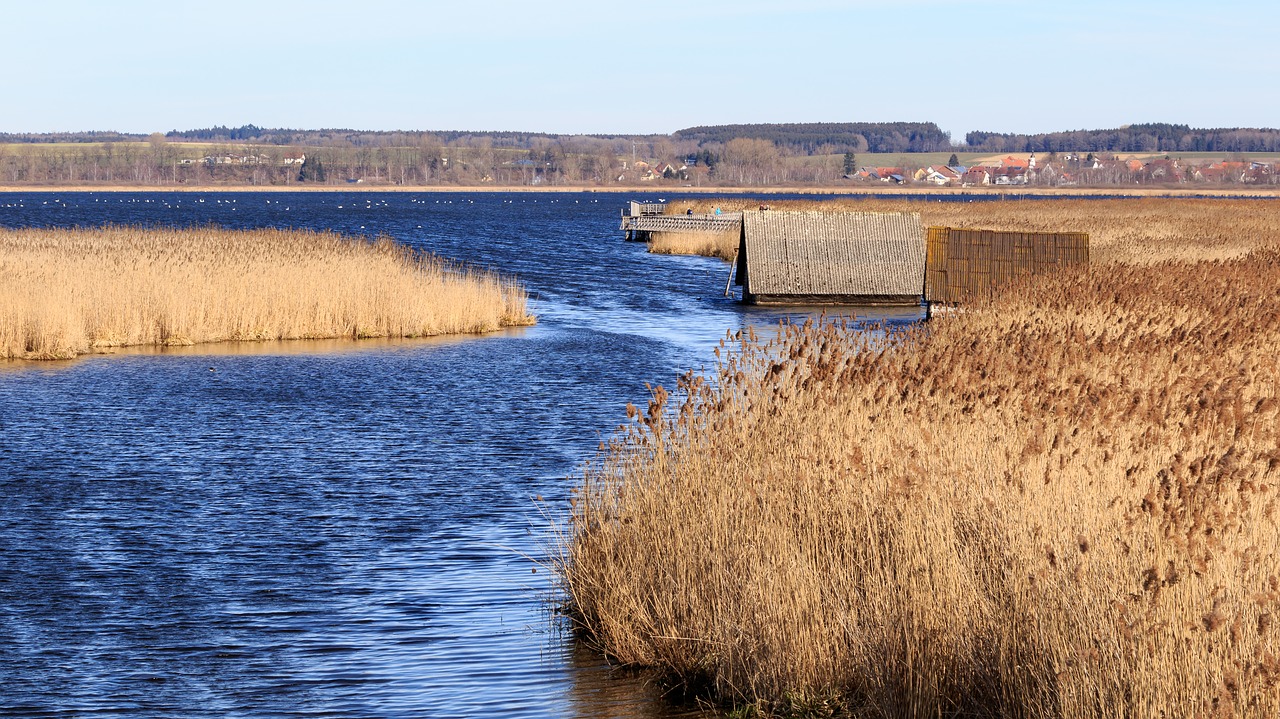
[335, 528]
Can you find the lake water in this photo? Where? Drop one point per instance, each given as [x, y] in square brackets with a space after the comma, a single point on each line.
[335, 528]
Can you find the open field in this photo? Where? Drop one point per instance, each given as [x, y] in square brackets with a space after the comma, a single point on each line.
[1195, 157]
[908, 159]
[1059, 504]
[37, 147]
[70, 292]
[968, 159]
[1199, 157]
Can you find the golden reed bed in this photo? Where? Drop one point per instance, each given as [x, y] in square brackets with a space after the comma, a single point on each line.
[68, 292]
[708, 244]
[1060, 504]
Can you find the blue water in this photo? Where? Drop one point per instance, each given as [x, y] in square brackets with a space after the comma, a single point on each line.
[345, 529]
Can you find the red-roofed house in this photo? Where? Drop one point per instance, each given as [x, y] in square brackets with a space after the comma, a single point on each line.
[1209, 173]
[1011, 176]
[1164, 171]
[937, 175]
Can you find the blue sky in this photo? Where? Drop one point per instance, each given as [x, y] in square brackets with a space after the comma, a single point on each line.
[572, 66]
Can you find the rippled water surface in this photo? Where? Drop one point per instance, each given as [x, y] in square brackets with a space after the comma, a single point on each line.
[334, 528]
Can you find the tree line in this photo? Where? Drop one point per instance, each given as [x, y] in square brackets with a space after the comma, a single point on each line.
[377, 138]
[1152, 137]
[24, 138]
[816, 138]
[812, 138]
[828, 138]
[592, 162]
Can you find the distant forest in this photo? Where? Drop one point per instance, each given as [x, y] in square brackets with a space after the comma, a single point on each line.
[372, 138]
[90, 136]
[1155, 137]
[811, 138]
[816, 138]
[825, 138]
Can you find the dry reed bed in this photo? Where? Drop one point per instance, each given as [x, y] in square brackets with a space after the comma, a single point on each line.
[708, 244]
[1061, 504]
[67, 292]
[1132, 231]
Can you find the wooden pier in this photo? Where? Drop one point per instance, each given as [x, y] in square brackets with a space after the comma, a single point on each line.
[640, 221]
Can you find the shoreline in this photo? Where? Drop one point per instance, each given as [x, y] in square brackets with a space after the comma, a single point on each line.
[264, 347]
[859, 190]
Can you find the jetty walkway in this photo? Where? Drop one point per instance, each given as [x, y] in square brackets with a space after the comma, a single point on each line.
[640, 220]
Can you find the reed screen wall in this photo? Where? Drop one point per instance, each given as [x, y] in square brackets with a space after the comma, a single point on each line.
[964, 265]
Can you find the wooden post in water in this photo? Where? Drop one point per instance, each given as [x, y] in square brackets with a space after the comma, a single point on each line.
[733, 264]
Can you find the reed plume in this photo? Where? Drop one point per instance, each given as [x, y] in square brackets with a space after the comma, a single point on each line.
[1060, 503]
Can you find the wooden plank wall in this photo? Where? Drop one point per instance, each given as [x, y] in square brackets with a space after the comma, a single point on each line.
[963, 265]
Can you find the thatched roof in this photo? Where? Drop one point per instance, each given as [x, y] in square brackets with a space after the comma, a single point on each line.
[832, 254]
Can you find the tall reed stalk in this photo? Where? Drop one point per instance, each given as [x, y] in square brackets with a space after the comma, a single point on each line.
[1062, 503]
[707, 244]
[67, 292]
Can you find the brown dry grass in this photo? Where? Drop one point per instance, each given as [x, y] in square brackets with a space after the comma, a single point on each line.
[68, 292]
[1059, 504]
[708, 244]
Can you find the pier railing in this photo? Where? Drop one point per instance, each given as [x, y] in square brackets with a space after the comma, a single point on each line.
[725, 222]
[642, 209]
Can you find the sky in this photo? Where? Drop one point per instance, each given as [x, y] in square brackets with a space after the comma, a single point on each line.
[574, 66]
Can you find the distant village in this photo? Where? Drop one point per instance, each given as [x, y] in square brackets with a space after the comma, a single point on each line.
[290, 158]
[1058, 170]
[826, 155]
[1070, 169]
[1053, 170]
[738, 163]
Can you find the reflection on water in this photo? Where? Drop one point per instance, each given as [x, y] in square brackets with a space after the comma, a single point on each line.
[600, 691]
[271, 347]
[334, 527]
[309, 346]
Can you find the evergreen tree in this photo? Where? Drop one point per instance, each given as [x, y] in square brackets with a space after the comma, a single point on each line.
[312, 170]
[953, 161]
[850, 163]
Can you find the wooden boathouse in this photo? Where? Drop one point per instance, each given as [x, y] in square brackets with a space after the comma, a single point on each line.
[967, 265]
[853, 258]
[866, 258]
